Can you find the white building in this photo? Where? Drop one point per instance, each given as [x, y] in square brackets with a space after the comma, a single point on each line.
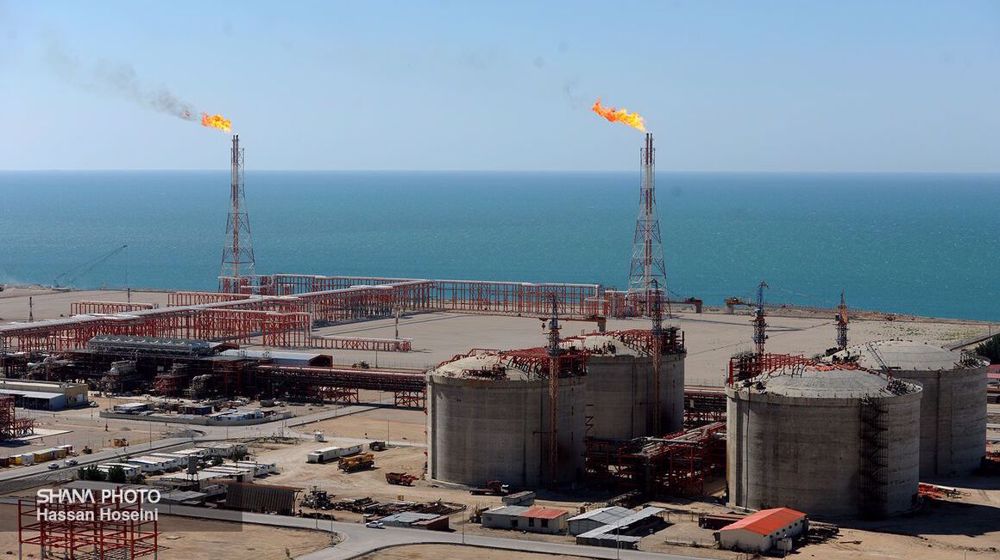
[534, 519]
[131, 471]
[761, 531]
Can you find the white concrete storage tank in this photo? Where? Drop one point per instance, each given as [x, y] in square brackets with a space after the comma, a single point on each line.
[621, 393]
[828, 440]
[488, 419]
[952, 405]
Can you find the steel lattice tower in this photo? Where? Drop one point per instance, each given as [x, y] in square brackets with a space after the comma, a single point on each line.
[647, 269]
[237, 253]
[759, 320]
[554, 351]
[842, 323]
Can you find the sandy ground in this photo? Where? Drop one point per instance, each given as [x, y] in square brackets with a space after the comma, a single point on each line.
[710, 338]
[184, 539]
[52, 304]
[456, 552]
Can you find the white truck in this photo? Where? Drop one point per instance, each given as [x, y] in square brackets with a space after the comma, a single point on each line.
[332, 453]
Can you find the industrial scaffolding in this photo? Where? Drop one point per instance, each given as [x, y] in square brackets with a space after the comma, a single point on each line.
[704, 405]
[343, 385]
[675, 465]
[748, 365]
[106, 307]
[87, 535]
[290, 305]
[12, 427]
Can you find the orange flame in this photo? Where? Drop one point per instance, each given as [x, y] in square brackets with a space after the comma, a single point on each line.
[216, 121]
[619, 115]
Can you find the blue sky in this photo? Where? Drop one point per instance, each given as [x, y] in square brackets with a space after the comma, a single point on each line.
[724, 86]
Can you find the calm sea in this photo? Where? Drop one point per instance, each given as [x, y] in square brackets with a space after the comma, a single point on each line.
[924, 244]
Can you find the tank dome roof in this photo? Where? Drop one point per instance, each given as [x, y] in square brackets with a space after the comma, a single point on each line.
[601, 343]
[484, 365]
[829, 381]
[905, 355]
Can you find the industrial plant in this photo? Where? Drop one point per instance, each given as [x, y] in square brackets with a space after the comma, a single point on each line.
[608, 417]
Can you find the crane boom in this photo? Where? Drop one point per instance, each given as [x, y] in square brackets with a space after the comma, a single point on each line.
[70, 276]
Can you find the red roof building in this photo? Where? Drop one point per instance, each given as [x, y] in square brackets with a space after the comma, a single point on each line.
[761, 531]
[534, 519]
[542, 512]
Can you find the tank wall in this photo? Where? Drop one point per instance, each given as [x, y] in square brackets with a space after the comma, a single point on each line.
[620, 396]
[497, 430]
[672, 392]
[903, 452]
[572, 429]
[805, 453]
[952, 420]
[616, 400]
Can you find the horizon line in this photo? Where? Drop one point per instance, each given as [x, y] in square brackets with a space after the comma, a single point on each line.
[578, 171]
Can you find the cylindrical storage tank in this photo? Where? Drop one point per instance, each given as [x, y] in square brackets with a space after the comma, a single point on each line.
[829, 440]
[621, 391]
[952, 404]
[489, 421]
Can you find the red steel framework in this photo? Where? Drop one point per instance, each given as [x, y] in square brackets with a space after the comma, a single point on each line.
[749, 365]
[409, 387]
[107, 307]
[704, 405]
[176, 299]
[675, 465]
[228, 321]
[93, 537]
[12, 427]
[484, 296]
[326, 299]
[360, 343]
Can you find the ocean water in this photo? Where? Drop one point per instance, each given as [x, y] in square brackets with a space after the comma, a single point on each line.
[924, 244]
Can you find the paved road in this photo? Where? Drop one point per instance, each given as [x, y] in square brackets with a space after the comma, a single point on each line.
[357, 540]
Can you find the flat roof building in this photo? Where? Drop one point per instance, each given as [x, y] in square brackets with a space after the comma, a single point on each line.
[595, 518]
[413, 520]
[625, 531]
[534, 519]
[45, 395]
